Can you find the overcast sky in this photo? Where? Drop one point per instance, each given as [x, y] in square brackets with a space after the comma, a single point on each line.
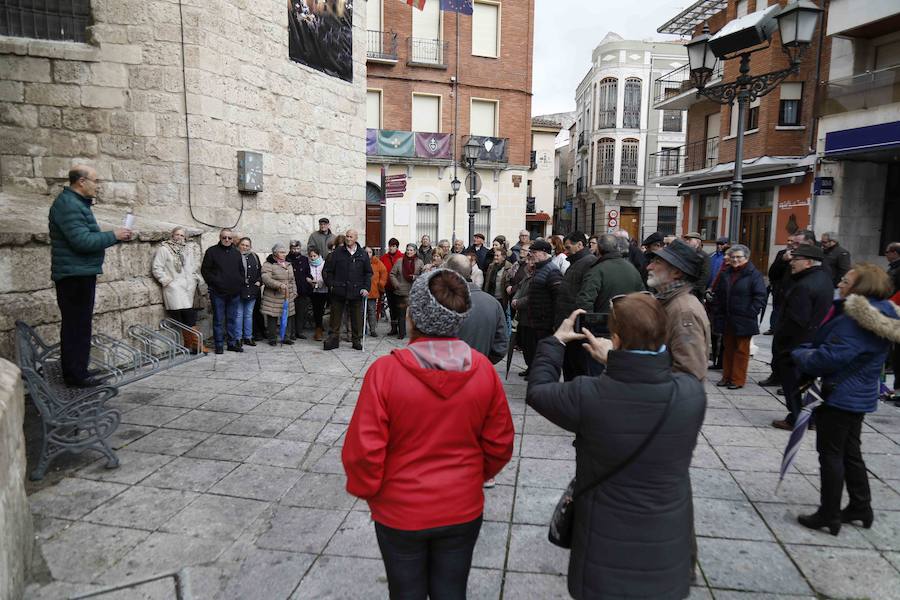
[567, 31]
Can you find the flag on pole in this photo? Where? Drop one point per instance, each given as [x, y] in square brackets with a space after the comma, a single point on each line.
[457, 6]
[420, 4]
[811, 400]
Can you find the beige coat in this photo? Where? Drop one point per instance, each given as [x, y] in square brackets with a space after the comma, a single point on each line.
[178, 286]
[277, 279]
[687, 332]
[400, 285]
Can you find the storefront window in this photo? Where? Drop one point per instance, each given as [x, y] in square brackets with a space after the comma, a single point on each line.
[754, 199]
[708, 217]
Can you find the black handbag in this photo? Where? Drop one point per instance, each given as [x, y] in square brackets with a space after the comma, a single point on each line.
[563, 520]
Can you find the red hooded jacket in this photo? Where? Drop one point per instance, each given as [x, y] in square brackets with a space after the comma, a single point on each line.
[389, 261]
[426, 434]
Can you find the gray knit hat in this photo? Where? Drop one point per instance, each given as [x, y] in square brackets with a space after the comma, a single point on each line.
[430, 316]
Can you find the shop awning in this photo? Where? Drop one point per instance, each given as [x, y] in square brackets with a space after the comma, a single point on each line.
[863, 139]
[541, 216]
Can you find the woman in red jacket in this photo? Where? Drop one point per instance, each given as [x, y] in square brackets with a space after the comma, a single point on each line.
[431, 425]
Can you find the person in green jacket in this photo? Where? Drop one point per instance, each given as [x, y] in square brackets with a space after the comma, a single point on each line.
[77, 252]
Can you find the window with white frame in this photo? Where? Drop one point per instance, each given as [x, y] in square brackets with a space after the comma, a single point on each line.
[606, 102]
[486, 29]
[631, 118]
[426, 113]
[425, 44]
[630, 148]
[708, 216]
[373, 109]
[606, 161]
[484, 118]
[427, 220]
[741, 9]
[373, 15]
[751, 117]
[790, 103]
[482, 222]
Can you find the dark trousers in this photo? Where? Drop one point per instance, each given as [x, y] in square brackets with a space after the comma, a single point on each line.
[75, 298]
[185, 316]
[301, 307]
[431, 563]
[392, 309]
[400, 315]
[354, 307]
[273, 328]
[529, 338]
[716, 351]
[225, 311]
[840, 460]
[318, 303]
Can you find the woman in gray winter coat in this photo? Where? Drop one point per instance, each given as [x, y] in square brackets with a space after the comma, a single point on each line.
[632, 530]
[403, 273]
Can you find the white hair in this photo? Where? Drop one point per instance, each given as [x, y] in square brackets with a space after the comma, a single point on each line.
[622, 234]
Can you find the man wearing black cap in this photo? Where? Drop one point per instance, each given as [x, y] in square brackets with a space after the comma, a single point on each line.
[651, 244]
[480, 250]
[536, 310]
[671, 272]
[806, 303]
[695, 241]
[322, 240]
[717, 259]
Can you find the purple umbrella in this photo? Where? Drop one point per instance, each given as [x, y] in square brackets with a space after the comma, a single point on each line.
[811, 400]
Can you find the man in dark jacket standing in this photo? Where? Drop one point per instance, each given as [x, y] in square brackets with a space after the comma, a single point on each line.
[348, 275]
[78, 248]
[892, 254]
[535, 310]
[610, 276]
[837, 259]
[805, 305]
[695, 241]
[223, 272]
[484, 329]
[481, 252]
[304, 288]
[580, 261]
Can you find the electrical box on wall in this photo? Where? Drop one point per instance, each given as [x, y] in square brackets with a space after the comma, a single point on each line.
[250, 171]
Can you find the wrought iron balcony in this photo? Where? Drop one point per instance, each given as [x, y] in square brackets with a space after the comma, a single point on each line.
[381, 46]
[427, 53]
[701, 154]
[579, 185]
[675, 90]
[581, 139]
[491, 149]
[533, 160]
[628, 174]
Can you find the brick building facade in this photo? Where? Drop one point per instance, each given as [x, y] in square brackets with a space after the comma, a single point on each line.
[420, 80]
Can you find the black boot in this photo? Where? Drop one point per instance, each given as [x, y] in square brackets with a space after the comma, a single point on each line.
[249, 342]
[331, 342]
[818, 521]
[850, 514]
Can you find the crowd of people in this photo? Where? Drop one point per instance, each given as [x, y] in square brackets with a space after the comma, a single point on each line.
[432, 426]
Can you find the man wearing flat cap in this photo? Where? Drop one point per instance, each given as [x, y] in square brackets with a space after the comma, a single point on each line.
[717, 259]
[695, 241]
[672, 271]
[322, 239]
[806, 303]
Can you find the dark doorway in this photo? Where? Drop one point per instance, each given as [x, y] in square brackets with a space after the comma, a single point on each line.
[374, 217]
[890, 224]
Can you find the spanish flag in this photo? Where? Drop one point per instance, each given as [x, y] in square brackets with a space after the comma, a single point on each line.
[420, 4]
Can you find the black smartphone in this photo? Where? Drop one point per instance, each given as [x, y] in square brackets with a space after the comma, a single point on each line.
[596, 323]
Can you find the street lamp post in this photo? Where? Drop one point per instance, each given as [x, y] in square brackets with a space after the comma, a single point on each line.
[796, 22]
[470, 151]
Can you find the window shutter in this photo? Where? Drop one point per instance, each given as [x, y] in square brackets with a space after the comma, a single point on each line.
[485, 31]
[484, 118]
[426, 114]
[373, 109]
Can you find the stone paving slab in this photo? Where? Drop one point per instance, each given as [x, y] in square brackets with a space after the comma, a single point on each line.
[231, 477]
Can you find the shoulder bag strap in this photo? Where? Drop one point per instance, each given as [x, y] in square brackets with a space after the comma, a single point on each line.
[640, 449]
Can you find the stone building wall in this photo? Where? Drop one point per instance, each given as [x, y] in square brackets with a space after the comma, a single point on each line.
[160, 102]
[15, 517]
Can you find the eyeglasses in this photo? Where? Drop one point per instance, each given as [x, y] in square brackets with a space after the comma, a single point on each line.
[226, 237]
[737, 256]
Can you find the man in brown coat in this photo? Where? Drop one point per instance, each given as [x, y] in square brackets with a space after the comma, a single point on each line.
[672, 271]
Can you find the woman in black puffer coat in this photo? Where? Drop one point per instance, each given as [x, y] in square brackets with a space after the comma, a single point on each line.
[739, 296]
[632, 532]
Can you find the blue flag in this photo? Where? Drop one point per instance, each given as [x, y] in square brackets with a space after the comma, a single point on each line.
[458, 6]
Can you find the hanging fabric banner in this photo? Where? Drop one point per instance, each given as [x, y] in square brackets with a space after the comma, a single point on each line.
[320, 35]
[458, 6]
[491, 148]
[371, 142]
[395, 143]
[433, 145]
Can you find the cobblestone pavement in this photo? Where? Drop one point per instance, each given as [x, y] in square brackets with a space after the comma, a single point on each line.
[231, 486]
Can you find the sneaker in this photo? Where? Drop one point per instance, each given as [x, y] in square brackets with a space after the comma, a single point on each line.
[490, 483]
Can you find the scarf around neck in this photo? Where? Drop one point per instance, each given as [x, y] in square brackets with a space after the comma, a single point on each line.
[409, 267]
[176, 249]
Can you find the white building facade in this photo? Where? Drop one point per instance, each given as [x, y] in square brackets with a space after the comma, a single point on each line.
[616, 129]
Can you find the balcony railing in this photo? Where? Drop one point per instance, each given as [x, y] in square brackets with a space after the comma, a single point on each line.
[701, 154]
[529, 204]
[404, 145]
[679, 81]
[533, 160]
[579, 185]
[628, 174]
[381, 45]
[491, 149]
[859, 92]
[427, 53]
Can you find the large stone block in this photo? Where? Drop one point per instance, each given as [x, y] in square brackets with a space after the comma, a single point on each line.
[109, 75]
[66, 143]
[24, 268]
[17, 166]
[120, 146]
[69, 71]
[25, 69]
[52, 167]
[35, 308]
[12, 91]
[52, 94]
[15, 518]
[49, 116]
[80, 119]
[102, 97]
[121, 53]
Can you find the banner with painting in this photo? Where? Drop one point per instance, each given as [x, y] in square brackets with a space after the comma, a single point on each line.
[321, 35]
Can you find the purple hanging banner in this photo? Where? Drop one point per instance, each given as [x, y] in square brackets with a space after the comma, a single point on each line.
[371, 142]
[433, 145]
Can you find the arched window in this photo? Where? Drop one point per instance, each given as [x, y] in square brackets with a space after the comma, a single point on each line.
[606, 102]
[629, 171]
[632, 116]
[606, 161]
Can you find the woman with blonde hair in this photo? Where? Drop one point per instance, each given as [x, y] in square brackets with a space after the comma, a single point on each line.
[176, 269]
[278, 277]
